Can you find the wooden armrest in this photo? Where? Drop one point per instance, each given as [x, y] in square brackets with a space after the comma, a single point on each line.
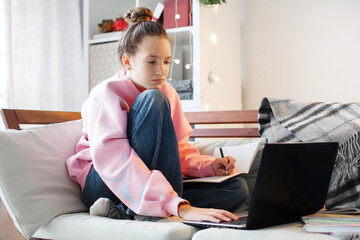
[14, 117]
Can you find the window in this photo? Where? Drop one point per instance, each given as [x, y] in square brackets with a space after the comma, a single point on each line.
[3, 64]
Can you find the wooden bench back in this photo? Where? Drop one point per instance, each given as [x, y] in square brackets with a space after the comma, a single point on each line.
[14, 117]
[224, 118]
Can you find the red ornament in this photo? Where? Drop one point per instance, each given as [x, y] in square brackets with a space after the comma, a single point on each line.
[120, 24]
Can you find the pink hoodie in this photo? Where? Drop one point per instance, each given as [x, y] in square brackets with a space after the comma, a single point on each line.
[104, 145]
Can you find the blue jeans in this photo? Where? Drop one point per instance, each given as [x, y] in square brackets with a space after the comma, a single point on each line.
[152, 135]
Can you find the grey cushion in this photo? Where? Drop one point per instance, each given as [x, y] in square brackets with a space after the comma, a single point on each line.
[283, 232]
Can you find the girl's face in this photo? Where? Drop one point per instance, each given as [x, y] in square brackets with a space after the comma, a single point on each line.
[149, 66]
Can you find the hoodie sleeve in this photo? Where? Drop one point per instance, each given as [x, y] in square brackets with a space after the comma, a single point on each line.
[143, 191]
[192, 163]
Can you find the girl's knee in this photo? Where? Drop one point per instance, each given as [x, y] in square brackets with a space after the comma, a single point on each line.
[155, 95]
[240, 187]
[154, 98]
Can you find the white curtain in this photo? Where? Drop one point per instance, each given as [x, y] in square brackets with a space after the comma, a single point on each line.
[46, 62]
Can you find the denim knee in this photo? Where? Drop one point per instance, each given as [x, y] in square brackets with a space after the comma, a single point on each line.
[152, 105]
[240, 190]
[242, 186]
[153, 99]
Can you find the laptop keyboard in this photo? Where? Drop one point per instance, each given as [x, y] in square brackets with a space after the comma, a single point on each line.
[238, 224]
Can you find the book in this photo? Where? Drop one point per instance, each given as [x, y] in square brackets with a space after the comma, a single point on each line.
[158, 11]
[334, 228]
[351, 211]
[333, 221]
[180, 18]
[244, 155]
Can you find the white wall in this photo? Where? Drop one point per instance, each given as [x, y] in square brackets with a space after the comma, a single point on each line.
[226, 94]
[2, 126]
[306, 50]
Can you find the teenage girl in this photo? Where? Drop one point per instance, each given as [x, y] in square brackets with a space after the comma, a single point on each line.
[134, 151]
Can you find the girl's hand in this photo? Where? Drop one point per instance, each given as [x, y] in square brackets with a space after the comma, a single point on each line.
[224, 166]
[188, 212]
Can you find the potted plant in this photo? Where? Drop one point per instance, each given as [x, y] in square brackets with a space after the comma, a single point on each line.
[212, 2]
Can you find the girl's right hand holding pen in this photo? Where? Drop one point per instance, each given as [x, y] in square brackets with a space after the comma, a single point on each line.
[224, 166]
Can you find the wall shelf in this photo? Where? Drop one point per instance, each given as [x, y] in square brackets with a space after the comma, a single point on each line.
[192, 47]
[182, 35]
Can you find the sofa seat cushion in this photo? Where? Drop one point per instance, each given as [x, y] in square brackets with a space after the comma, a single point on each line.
[83, 226]
[37, 190]
[293, 231]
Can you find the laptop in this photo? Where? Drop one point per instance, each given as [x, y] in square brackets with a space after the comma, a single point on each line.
[292, 181]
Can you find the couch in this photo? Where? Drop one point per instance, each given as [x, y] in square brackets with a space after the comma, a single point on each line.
[45, 203]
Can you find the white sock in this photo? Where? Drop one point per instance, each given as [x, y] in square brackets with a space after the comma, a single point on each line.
[104, 207]
[100, 207]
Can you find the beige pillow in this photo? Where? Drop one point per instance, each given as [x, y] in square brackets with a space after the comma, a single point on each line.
[34, 182]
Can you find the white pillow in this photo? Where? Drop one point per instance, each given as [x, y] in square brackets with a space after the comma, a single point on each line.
[34, 182]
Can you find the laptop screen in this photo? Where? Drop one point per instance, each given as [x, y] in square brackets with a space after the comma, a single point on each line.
[292, 181]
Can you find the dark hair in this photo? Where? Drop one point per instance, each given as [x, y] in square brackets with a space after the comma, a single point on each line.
[142, 26]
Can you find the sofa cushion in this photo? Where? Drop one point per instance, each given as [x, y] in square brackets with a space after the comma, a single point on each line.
[84, 226]
[36, 188]
[34, 183]
[292, 231]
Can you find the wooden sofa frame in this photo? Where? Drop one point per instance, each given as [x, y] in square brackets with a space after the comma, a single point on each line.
[13, 118]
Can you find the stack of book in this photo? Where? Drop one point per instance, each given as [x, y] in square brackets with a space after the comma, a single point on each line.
[336, 222]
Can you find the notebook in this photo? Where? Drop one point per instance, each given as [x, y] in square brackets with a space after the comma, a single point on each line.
[292, 181]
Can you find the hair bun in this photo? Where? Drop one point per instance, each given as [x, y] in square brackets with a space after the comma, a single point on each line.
[139, 14]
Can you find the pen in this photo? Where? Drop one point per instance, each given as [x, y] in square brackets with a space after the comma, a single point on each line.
[222, 156]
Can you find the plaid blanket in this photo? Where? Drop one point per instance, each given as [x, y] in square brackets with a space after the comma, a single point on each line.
[285, 120]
